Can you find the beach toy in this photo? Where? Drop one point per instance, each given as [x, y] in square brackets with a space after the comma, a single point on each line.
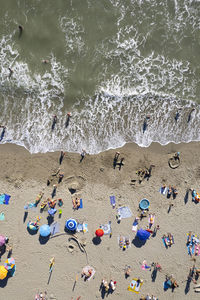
[2, 240]
[9, 263]
[3, 272]
[143, 235]
[99, 232]
[144, 204]
[45, 230]
[71, 225]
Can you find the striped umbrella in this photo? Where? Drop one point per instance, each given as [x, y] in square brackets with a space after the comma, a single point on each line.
[9, 263]
[3, 272]
[71, 225]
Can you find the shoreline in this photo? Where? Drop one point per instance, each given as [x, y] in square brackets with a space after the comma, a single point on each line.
[23, 176]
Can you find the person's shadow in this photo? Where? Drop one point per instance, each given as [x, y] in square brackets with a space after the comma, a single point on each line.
[25, 216]
[186, 197]
[187, 287]
[154, 274]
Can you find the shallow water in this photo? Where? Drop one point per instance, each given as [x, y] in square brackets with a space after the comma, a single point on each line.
[111, 63]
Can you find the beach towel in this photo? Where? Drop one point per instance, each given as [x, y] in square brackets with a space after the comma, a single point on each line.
[122, 242]
[135, 225]
[86, 269]
[82, 227]
[124, 212]
[2, 216]
[112, 201]
[167, 284]
[167, 240]
[4, 199]
[30, 206]
[163, 190]
[106, 228]
[144, 266]
[55, 228]
[135, 286]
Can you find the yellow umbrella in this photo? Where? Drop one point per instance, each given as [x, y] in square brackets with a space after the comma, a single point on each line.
[3, 272]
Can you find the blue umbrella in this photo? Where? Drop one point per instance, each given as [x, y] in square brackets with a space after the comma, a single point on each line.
[52, 211]
[71, 225]
[143, 235]
[45, 230]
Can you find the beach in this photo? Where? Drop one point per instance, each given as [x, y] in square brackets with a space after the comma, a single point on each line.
[24, 175]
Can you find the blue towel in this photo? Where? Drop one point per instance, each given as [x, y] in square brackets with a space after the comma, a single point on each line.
[112, 200]
[2, 198]
[81, 203]
[7, 198]
[163, 239]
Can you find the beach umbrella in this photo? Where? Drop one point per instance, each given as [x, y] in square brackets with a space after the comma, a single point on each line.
[52, 211]
[71, 224]
[9, 263]
[3, 272]
[99, 232]
[143, 235]
[2, 240]
[45, 230]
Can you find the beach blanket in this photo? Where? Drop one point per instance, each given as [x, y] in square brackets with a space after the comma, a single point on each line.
[106, 228]
[124, 212]
[82, 227]
[30, 206]
[166, 240]
[163, 190]
[135, 225]
[4, 199]
[55, 228]
[124, 242]
[112, 201]
[86, 269]
[193, 246]
[135, 286]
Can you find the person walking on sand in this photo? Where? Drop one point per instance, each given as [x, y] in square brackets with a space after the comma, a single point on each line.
[54, 122]
[68, 119]
[62, 154]
[82, 155]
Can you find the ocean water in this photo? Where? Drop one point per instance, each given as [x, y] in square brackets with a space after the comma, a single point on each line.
[110, 63]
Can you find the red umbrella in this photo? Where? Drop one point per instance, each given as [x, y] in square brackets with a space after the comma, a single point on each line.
[99, 232]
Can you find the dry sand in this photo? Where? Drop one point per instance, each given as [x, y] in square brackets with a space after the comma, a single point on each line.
[24, 175]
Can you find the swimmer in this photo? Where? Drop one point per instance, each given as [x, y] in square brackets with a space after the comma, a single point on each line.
[45, 61]
[68, 119]
[190, 115]
[20, 30]
[11, 72]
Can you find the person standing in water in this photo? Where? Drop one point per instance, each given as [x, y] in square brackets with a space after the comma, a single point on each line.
[68, 119]
[190, 115]
[3, 132]
[54, 122]
[145, 124]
